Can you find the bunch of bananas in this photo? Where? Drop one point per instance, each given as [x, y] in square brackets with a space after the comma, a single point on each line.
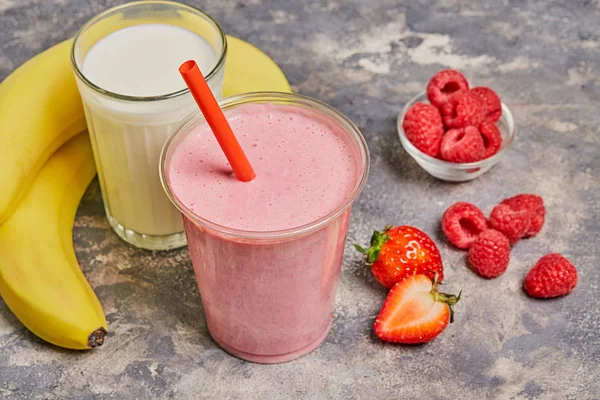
[46, 165]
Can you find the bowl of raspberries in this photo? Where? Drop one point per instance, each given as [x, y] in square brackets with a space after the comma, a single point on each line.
[453, 131]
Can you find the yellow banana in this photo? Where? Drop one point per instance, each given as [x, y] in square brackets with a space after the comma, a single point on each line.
[40, 279]
[40, 109]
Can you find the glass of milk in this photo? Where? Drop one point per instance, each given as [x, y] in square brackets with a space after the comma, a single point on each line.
[126, 62]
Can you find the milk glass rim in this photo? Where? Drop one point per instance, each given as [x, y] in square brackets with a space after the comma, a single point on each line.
[118, 8]
[193, 119]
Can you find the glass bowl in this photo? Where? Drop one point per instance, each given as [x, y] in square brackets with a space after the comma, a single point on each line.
[457, 172]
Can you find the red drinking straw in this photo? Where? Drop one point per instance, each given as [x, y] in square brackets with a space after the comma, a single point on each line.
[216, 120]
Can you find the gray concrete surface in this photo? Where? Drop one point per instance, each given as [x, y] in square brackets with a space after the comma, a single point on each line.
[366, 58]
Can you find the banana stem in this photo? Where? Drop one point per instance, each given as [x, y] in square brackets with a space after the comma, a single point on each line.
[96, 338]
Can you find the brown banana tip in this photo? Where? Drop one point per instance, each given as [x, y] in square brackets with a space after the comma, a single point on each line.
[96, 338]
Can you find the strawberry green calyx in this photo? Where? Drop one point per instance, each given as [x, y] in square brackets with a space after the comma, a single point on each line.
[449, 299]
[377, 241]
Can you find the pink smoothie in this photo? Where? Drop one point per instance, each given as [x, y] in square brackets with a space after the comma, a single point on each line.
[269, 300]
[304, 170]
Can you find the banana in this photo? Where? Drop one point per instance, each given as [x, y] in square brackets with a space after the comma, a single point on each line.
[40, 109]
[40, 279]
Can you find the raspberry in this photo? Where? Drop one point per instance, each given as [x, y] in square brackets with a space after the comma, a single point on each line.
[492, 138]
[462, 145]
[492, 102]
[553, 275]
[462, 109]
[462, 223]
[513, 224]
[443, 84]
[424, 128]
[532, 203]
[490, 253]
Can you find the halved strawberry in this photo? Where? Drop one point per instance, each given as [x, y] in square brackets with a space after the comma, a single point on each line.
[396, 253]
[414, 312]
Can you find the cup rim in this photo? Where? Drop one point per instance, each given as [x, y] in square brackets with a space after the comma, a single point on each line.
[415, 152]
[287, 98]
[118, 96]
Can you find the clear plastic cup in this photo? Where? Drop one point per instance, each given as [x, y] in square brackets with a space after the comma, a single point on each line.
[268, 296]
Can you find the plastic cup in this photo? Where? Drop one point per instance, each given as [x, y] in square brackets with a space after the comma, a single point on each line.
[268, 296]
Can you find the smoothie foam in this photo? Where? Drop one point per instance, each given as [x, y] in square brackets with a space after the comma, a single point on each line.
[306, 167]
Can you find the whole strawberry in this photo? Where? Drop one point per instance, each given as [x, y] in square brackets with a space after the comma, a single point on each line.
[552, 276]
[414, 312]
[396, 253]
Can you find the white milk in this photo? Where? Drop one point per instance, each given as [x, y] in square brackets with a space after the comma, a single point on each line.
[143, 60]
[127, 135]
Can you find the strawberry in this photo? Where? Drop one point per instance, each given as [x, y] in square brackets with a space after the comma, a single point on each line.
[414, 311]
[403, 251]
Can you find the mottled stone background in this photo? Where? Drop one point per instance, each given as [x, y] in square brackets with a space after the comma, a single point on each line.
[366, 58]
